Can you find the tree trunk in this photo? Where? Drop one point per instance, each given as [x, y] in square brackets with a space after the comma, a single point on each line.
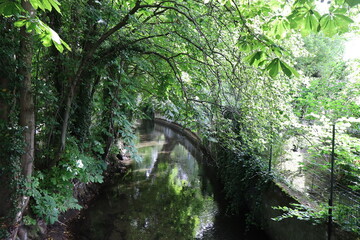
[27, 115]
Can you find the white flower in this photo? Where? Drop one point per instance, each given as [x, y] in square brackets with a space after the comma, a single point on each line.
[79, 163]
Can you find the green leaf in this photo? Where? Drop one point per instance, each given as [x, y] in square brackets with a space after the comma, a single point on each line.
[36, 4]
[352, 3]
[276, 65]
[54, 36]
[327, 25]
[31, 26]
[313, 22]
[339, 2]
[273, 67]
[245, 46]
[55, 5]
[10, 8]
[293, 70]
[305, 19]
[279, 26]
[343, 19]
[65, 45]
[46, 5]
[286, 70]
[59, 47]
[255, 58]
[331, 24]
[289, 71]
[277, 50]
[339, 10]
[20, 23]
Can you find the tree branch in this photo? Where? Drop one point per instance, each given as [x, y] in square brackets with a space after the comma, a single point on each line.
[168, 60]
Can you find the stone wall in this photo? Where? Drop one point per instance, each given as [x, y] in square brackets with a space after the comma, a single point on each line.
[276, 194]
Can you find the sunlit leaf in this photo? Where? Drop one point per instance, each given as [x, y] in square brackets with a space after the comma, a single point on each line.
[331, 24]
[59, 47]
[54, 36]
[19, 23]
[339, 10]
[279, 26]
[343, 19]
[46, 5]
[36, 4]
[305, 19]
[339, 2]
[46, 40]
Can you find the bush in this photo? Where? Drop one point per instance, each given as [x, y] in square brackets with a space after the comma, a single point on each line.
[52, 190]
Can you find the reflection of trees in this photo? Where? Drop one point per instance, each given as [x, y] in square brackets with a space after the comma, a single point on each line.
[164, 154]
[167, 207]
[157, 208]
[164, 209]
[160, 207]
[207, 174]
[181, 139]
[146, 130]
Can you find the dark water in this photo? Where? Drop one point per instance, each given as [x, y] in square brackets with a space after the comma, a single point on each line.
[168, 195]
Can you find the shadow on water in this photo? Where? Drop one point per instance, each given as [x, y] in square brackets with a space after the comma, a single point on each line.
[170, 194]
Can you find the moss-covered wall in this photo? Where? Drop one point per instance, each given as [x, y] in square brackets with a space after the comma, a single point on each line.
[262, 199]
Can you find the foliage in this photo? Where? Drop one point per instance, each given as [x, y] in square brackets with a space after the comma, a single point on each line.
[347, 147]
[326, 90]
[326, 97]
[223, 68]
[277, 21]
[244, 177]
[52, 190]
[32, 23]
[10, 168]
[341, 214]
[302, 212]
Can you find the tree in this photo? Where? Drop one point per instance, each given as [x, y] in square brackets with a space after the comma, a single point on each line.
[26, 102]
[218, 67]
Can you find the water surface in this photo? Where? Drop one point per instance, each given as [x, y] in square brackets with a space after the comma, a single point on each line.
[170, 194]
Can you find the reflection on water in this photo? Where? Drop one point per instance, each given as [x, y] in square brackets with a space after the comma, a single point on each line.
[165, 196]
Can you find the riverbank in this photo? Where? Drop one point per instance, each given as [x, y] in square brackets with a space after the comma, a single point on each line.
[84, 193]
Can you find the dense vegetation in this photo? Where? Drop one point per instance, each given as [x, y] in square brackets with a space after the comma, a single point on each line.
[242, 73]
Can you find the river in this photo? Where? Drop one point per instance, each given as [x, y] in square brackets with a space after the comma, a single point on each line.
[170, 194]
